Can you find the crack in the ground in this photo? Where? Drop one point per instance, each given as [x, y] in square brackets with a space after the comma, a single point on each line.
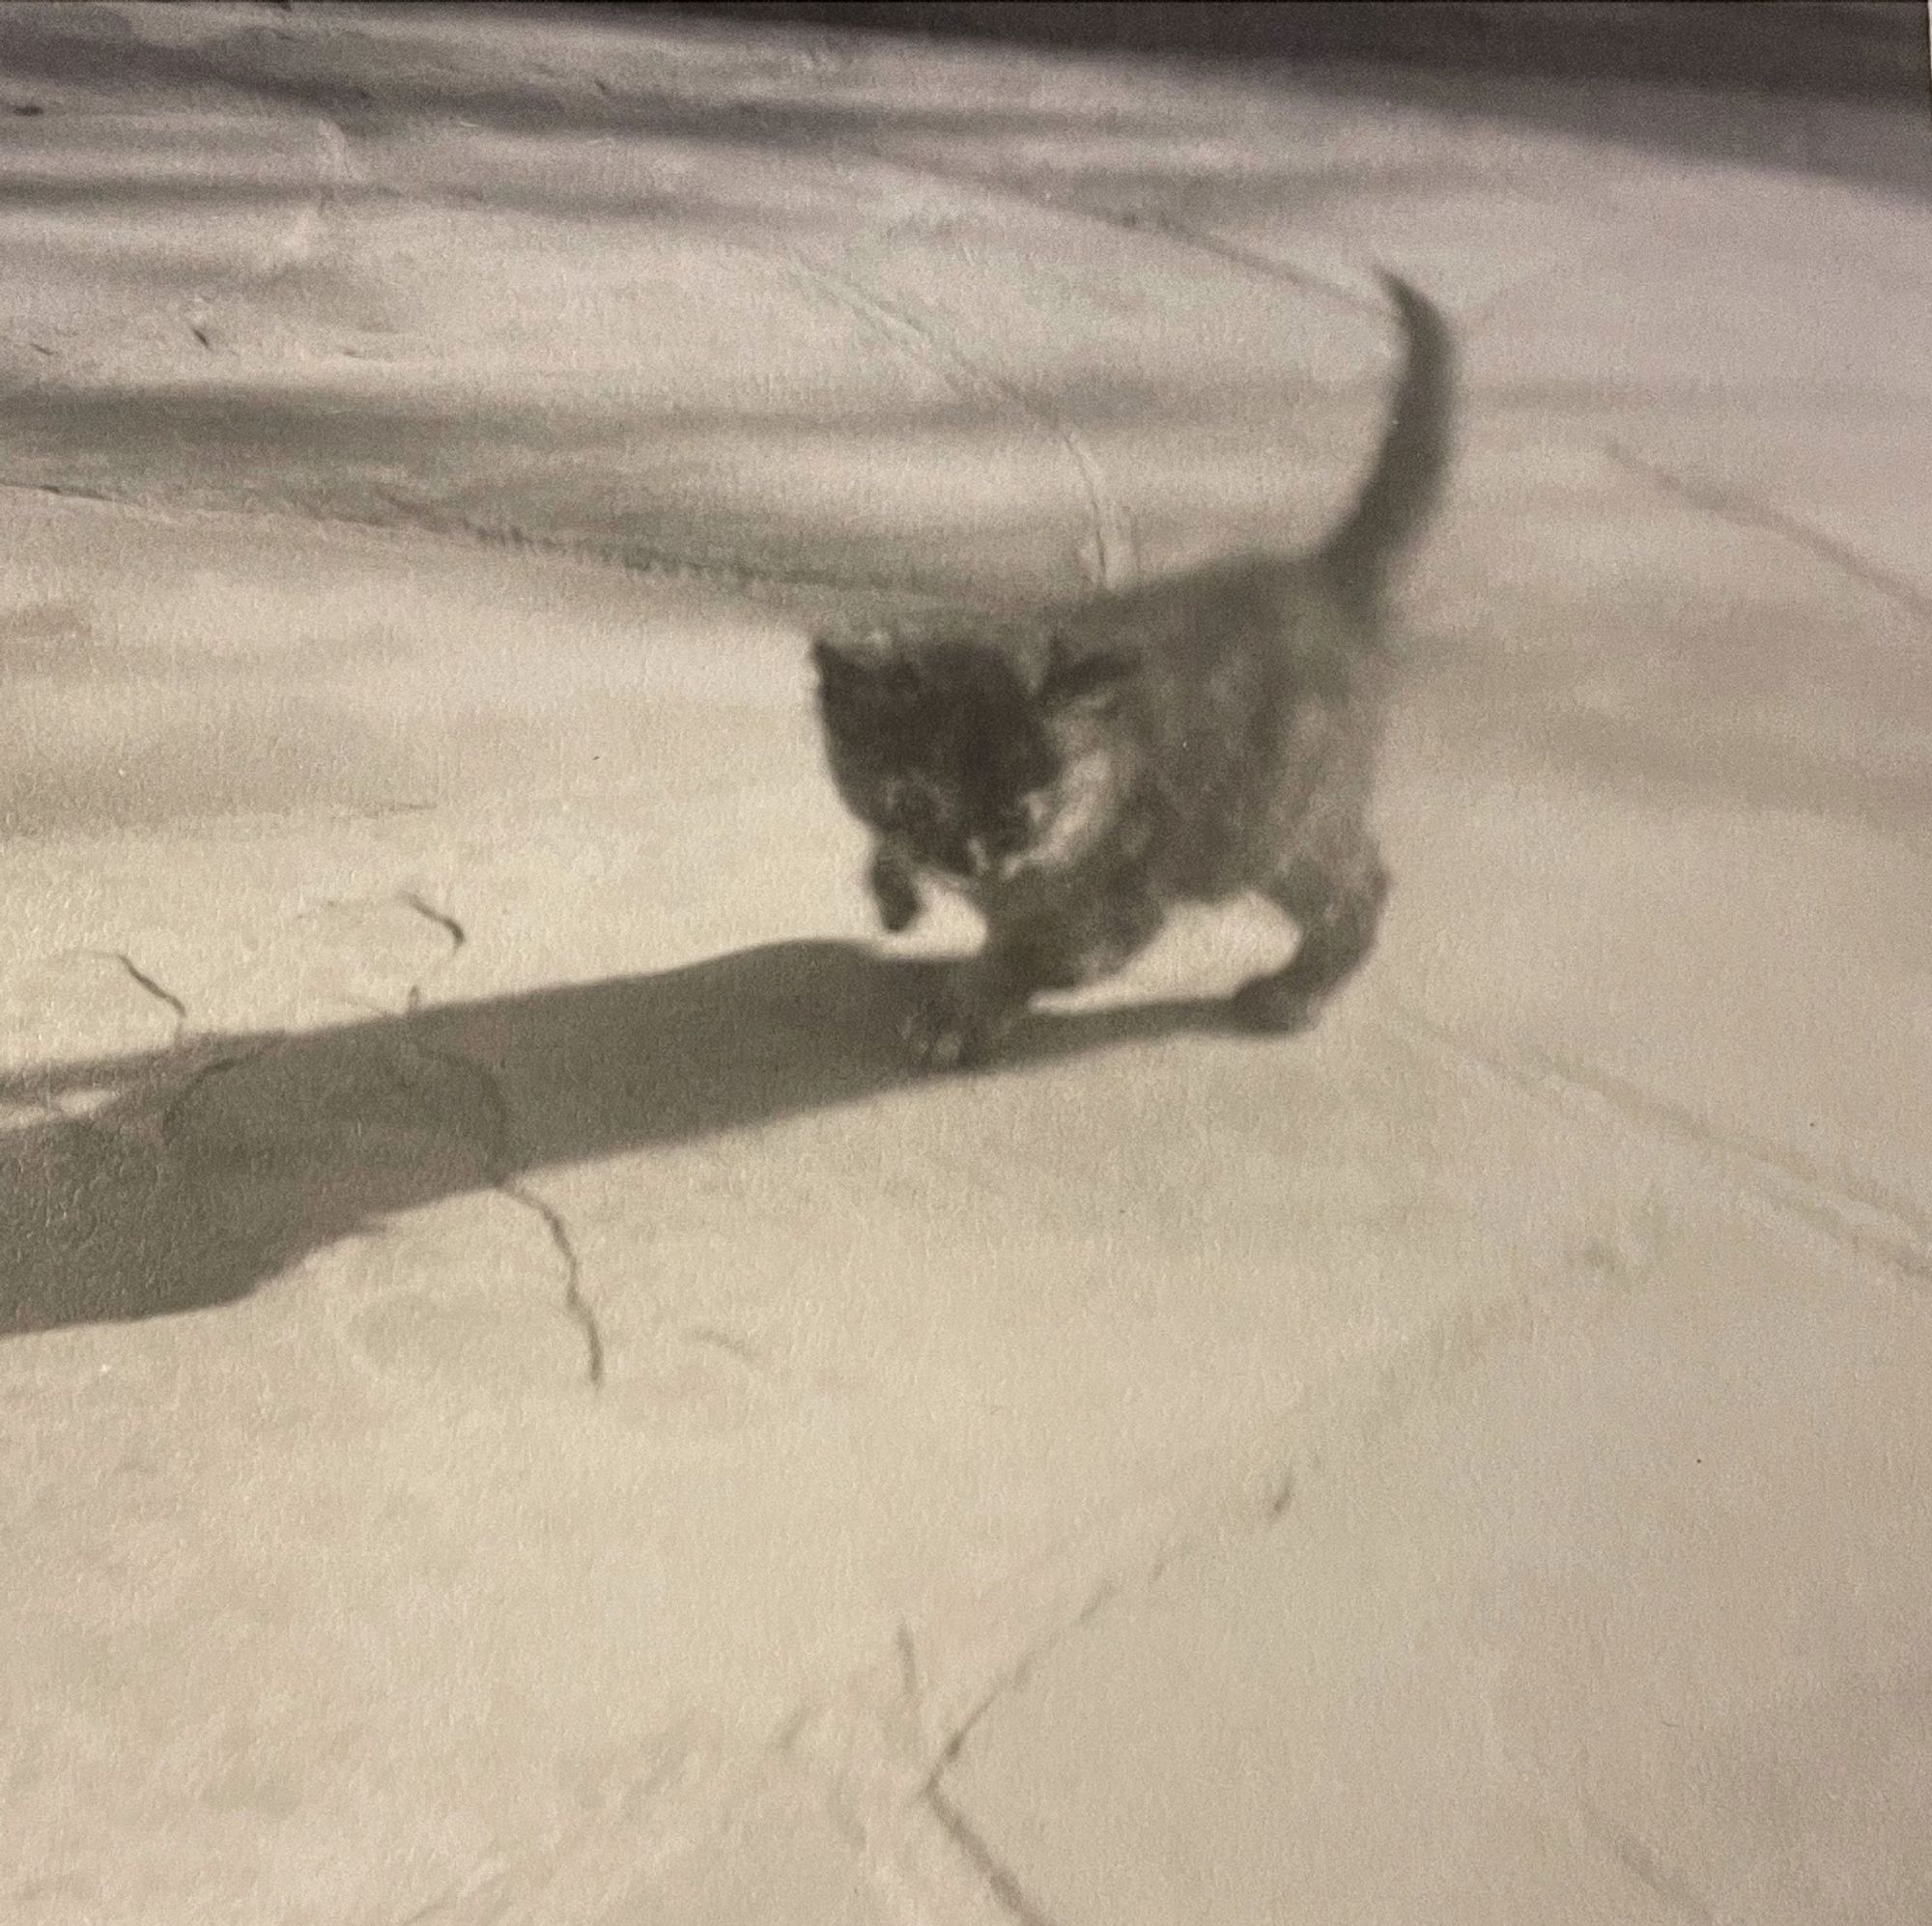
[1013, 1676]
[445, 921]
[499, 1169]
[1372, 1391]
[1745, 512]
[499, 1162]
[712, 1337]
[575, 1305]
[141, 980]
[1252, 1517]
[166, 1110]
[184, 1094]
[999, 1879]
[1641, 1863]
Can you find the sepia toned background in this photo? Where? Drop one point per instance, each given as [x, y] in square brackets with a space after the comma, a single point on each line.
[515, 1407]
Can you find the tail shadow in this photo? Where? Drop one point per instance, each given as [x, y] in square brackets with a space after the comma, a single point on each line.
[180, 1178]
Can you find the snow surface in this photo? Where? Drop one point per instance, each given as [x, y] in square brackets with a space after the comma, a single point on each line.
[518, 1408]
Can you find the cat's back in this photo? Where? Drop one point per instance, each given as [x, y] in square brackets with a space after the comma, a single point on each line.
[1234, 639]
[1252, 677]
[1199, 615]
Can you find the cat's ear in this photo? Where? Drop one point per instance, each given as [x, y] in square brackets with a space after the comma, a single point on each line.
[833, 666]
[1090, 681]
[847, 658]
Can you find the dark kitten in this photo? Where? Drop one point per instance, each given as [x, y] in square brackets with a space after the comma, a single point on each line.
[1075, 771]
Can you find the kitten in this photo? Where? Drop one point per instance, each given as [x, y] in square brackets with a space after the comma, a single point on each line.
[1075, 771]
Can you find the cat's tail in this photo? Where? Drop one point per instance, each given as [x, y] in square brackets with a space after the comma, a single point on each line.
[1404, 485]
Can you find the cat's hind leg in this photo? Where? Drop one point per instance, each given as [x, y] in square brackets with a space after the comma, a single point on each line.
[1337, 904]
[894, 890]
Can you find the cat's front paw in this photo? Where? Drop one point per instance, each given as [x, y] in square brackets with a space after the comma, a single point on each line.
[896, 895]
[951, 1031]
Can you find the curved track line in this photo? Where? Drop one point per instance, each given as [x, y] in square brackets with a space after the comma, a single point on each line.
[1884, 1228]
[413, 518]
[1745, 512]
[1177, 234]
[1116, 561]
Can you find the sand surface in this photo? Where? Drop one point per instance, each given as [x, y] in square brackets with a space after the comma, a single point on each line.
[516, 1408]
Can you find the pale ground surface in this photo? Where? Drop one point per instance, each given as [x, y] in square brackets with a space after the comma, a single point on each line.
[623, 1452]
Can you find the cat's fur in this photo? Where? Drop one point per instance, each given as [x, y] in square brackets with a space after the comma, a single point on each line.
[1077, 771]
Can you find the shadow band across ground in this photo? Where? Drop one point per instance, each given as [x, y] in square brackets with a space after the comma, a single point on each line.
[1862, 50]
[179, 1178]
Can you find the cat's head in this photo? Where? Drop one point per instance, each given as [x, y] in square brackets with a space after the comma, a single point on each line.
[957, 745]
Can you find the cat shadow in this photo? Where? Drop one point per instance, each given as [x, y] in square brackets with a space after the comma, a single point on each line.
[180, 1178]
